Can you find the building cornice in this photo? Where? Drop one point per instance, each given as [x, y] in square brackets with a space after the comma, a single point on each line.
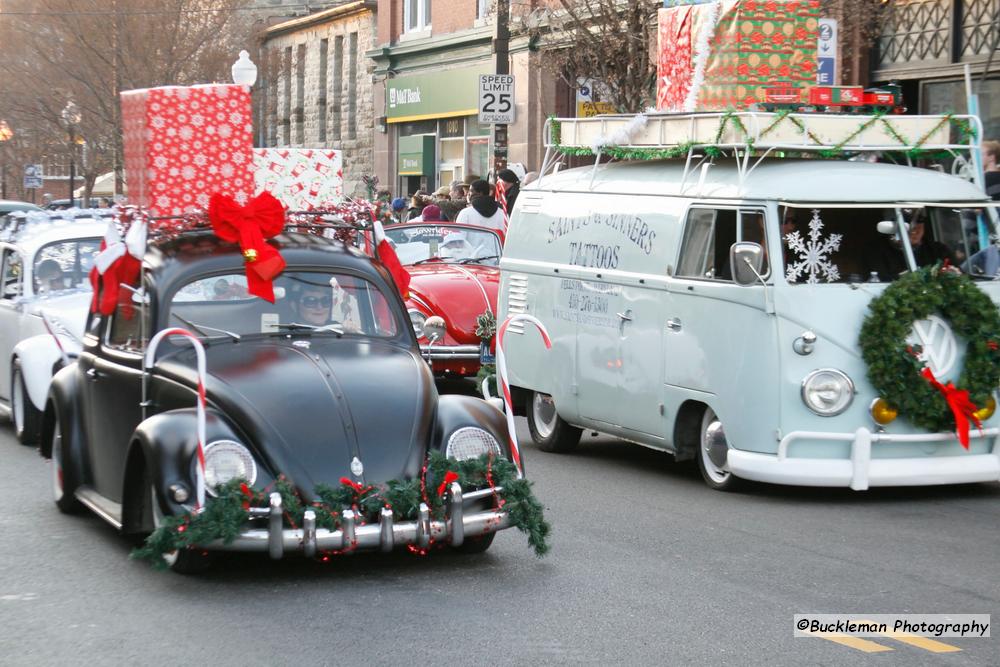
[394, 56]
[325, 16]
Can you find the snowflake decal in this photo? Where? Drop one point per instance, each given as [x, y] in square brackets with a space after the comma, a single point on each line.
[813, 254]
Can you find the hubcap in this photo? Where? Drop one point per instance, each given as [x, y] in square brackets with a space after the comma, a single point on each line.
[714, 447]
[17, 400]
[544, 410]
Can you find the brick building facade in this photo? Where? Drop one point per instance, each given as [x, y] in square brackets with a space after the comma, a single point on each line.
[315, 89]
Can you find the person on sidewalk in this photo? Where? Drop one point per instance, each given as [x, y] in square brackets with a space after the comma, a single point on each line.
[483, 210]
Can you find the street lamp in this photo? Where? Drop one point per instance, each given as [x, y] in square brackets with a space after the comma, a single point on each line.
[244, 71]
[6, 134]
[71, 116]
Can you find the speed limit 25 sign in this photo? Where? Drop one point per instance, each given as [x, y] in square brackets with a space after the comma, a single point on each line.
[496, 99]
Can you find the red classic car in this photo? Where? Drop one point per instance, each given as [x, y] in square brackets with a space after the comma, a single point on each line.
[454, 274]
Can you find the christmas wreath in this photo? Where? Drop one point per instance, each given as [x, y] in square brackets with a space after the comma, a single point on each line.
[226, 515]
[894, 367]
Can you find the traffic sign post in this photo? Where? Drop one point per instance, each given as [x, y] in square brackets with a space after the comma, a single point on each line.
[826, 53]
[496, 107]
[33, 176]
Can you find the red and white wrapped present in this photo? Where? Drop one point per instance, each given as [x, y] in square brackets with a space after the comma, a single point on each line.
[300, 178]
[186, 143]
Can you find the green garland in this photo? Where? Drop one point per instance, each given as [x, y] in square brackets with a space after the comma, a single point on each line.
[225, 516]
[964, 129]
[893, 367]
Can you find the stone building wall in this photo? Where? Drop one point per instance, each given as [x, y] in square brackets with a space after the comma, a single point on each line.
[296, 112]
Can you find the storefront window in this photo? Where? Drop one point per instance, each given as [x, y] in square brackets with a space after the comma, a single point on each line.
[479, 156]
[941, 97]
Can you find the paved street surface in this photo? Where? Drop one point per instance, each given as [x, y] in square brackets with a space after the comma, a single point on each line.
[648, 566]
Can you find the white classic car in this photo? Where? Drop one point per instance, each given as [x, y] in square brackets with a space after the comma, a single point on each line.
[44, 298]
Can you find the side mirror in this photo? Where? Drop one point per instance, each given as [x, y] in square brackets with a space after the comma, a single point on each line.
[746, 260]
[434, 328]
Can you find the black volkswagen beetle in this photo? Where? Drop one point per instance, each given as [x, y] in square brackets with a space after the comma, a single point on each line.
[325, 387]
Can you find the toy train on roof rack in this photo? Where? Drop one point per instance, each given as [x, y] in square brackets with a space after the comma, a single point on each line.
[833, 99]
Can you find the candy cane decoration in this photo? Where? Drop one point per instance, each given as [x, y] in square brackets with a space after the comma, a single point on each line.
[504, 385]
[200, 352]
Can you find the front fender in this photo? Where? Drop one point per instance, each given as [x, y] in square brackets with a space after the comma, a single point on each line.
[63, 405]
[456, 411]
[38, 356]
[162, 451]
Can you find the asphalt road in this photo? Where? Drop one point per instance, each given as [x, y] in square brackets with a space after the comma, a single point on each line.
[648, 567]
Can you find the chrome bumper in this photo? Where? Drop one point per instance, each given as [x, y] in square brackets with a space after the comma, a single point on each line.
[450, 352]
[384, 536]
[861, 471]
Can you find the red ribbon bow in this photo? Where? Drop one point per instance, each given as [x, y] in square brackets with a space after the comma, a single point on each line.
[961, 406]
[262, 218]
[358, 488]
[449, 477]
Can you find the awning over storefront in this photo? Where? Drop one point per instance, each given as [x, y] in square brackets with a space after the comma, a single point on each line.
[416, 155]
[442, 94]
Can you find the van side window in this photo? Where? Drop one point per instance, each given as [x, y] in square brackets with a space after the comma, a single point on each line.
[707, 239]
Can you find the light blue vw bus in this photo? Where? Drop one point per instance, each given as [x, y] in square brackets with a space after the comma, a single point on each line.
[714, 313]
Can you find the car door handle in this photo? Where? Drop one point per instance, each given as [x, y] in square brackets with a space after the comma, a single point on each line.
[93, 373]
[674, 324]
[624, 317]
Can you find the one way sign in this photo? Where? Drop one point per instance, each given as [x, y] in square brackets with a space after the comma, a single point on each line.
[826, 52]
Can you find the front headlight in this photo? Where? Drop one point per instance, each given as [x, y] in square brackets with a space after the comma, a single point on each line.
[827, 392]
[471, 442]
[226, 460]
[417, 319]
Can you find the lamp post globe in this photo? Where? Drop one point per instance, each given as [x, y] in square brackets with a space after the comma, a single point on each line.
[244, 71]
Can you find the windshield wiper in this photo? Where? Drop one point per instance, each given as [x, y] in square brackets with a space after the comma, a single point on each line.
[428, 259]
[201, 328]
[297, 326]
[470, 260]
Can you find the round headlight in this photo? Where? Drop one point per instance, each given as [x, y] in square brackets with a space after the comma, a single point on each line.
[417, 319]
[226, 460]
[827, 392]
[471, 443]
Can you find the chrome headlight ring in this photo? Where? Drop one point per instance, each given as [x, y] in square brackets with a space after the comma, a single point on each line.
[226, 460]
[471, 442]
[417, 320]
[827, 391]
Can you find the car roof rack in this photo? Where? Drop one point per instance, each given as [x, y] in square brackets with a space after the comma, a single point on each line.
[701, 138]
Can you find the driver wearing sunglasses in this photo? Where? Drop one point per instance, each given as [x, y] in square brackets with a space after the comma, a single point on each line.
[313, 306]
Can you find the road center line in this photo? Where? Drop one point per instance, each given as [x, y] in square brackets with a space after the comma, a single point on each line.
[853, 642]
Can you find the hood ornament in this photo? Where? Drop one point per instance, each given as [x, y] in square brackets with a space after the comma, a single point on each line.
[357, 468]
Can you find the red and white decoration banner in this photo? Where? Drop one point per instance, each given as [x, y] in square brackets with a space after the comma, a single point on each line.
[508, 404]
[200, 352]
[300, 178]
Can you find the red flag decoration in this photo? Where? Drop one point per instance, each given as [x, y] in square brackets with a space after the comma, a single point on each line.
[502, 200]
[117, 262]
[961, 406]
[387, 254]
[262, 218]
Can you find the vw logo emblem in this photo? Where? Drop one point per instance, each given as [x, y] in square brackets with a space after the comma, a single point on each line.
[939, 350]
[357, 468]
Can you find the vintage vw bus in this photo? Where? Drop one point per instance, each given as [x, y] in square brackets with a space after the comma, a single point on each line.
[664, 336]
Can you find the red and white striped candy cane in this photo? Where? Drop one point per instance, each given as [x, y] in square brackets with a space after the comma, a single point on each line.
[504, 384]
[501, 188]
[200, 352]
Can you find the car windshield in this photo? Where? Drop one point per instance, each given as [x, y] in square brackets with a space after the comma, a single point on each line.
[446, 243]
[305, 301]
[823, 245]
[64, 265]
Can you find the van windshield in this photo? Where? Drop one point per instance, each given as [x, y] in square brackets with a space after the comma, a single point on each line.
[827, 245]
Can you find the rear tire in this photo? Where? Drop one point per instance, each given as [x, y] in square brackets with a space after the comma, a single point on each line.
[547, 428]
[712, 451]
[26, 417]
[63, 486]
[476, 545]
[181, 561]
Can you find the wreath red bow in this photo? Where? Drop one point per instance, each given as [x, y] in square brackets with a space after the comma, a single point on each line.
[262, 218]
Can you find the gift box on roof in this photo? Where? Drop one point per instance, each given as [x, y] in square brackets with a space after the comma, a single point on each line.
[185, 143]
[300, 178]
[719, 55]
